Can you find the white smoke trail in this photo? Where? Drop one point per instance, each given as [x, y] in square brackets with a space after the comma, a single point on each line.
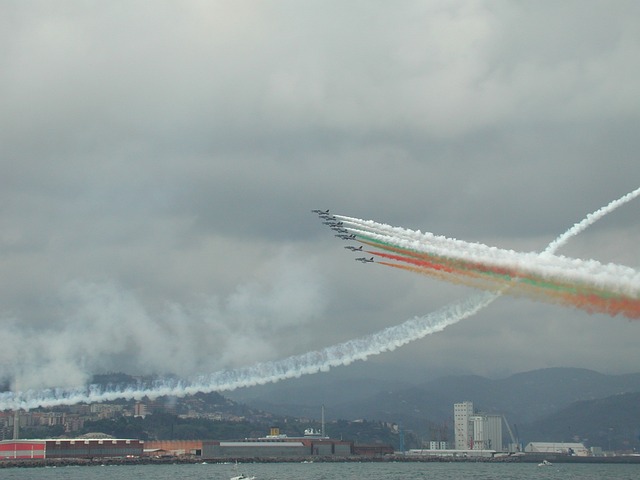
[588, 273]
[312, 362]
[291, 367]
[439, 240]
[590, 219]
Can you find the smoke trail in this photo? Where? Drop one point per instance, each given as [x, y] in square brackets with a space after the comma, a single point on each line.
[312, 362]
[586, 284]
[295, 366]
[590, 219]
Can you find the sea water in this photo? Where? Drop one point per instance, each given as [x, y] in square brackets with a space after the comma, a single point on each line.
[330, 471]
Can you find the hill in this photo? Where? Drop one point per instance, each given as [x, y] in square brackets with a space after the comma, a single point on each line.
[527, 400]
[611, 423]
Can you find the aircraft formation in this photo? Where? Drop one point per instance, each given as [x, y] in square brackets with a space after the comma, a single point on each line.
[581, 283]
[338, 226]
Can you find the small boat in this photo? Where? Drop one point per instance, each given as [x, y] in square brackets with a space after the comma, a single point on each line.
[545, 463]
[241, 476]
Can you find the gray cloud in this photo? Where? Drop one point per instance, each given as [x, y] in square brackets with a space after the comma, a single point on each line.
[159, 162]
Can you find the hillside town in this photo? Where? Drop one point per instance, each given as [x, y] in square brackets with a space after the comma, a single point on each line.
[175, 428]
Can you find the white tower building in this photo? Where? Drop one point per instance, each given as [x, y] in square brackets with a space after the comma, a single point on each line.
[462, 431]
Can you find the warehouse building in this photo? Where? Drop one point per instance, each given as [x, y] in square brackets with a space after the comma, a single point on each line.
[563, 448]
[277, 445]
[70, 448]
[276, 448]
[173, 447]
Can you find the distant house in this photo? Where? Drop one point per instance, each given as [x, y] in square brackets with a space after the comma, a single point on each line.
[561, 448]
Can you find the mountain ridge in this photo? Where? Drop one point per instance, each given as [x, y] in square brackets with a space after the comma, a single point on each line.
[526, 399]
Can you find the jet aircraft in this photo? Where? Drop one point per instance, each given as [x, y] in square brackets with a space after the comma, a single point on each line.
[364, 260]
[321, 212]
[354, 249]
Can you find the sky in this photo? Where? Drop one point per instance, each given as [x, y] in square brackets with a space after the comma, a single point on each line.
[159, 161]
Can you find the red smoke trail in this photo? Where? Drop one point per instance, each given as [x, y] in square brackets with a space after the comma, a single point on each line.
[466, 280]
[520, 282]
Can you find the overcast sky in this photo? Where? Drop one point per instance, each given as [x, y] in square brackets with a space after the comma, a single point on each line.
[159, 161]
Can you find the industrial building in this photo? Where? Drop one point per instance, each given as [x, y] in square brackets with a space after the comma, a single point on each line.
[476, 435]
[443, 453]
[70, 448]
[173, 447]
[277, 445]
[577, 449]
[476, 431]
[487, 432]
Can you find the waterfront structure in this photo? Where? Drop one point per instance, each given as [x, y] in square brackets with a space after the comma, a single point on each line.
[271, 446]
[456, 454]
[173, 447]
[70, 448]
[283, 447]
[476, 431]
[563, 448]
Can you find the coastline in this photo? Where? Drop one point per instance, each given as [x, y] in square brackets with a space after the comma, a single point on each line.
[66, 462]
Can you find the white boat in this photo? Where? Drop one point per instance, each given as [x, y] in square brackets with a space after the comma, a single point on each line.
[545, 463]
[241, 476]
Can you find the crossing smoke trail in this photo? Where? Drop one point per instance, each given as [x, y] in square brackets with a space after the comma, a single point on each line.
[312, 362]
